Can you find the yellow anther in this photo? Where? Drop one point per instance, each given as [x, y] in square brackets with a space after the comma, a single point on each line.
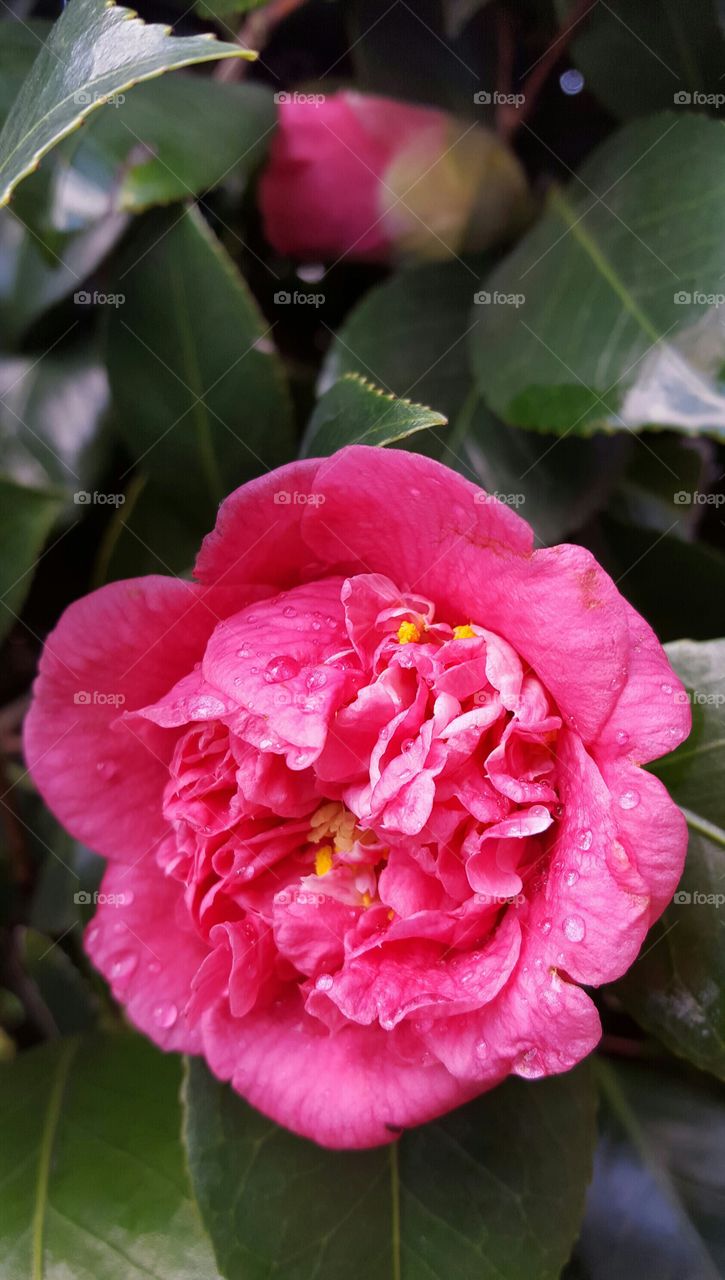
[323, 860]
[464, 632]
[408, 631]
[366, 899]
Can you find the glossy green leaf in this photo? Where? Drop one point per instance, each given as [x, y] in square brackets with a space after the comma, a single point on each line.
[20, 44]
[92, 1170]
[52, 414]
[677, 989]
[197, 387]
[606, 314]
[354, 411]
[26, 518]
[643, 55]
[656, 1205]
[60, 985]
[494, 1191]
[94, 53]
[172, 138]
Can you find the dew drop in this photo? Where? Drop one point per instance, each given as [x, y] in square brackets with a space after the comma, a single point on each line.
[584, 840]
[316, 680]
[245, 651]
[622, 737]
[165, 1014]
[107, 769]
[527, 1063]
[572, 878]
[481, 1049]
[283, 667]
[289, 611]
[124, 965]
[324, 982]
[574, 928]
[629, 799]
[545, 926]
[666, 688]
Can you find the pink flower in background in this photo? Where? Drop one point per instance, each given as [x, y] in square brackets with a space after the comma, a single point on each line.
[370, 791]
[375, 179]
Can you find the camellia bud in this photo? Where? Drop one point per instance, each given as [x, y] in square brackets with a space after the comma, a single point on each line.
[374, 179]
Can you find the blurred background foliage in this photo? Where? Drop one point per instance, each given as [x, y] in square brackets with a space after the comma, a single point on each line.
[144, 356]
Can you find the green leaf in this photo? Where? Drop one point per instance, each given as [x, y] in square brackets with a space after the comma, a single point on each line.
[198, 390]
[645, 564]
[220, 10]
[580, 328]
[354, 411]
[94, 52]
[408, 335]
[20, 44]
[655, 1208]
[677, 989]
[494, 1191]
[52, 415]
[26, 518]
[62, 988]
[92, 1169]
[659, 50]
[172, 138]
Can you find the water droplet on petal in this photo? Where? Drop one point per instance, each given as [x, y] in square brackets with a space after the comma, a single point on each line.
[545, 926]
[316, 680]
[124, 965]
[481, 1049]
[622, 737]
[629, 799]
[165, 1015]
[572, 878]
[283, 667]
[574, 928]
[244, 651]
[324, 982]
[527, 1064]
[666, 688]
[289, 611]
[584, 840]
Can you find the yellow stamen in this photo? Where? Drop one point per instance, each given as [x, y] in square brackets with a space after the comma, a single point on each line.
[408, 631]
[366, 899]
[464, 632]
[323, 860]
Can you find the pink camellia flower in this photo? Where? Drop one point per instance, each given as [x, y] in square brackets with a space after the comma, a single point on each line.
[376, 179]
[370, 791]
